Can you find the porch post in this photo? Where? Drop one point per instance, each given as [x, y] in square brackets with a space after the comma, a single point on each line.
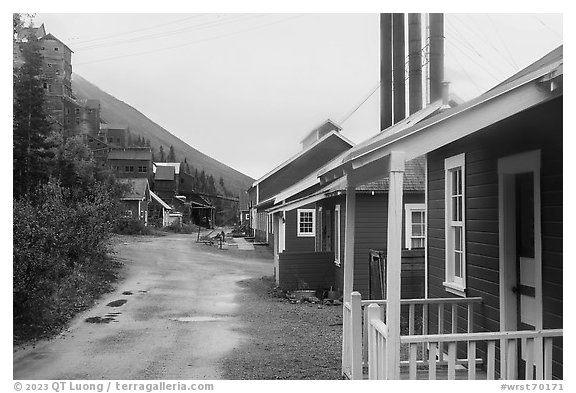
[347, 332]
[276, 230]
[349, 240]
[393, 264]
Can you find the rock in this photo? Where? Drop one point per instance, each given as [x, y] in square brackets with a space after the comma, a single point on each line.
[319, 306]
[313, 299]
[327, 302]
[337, 302]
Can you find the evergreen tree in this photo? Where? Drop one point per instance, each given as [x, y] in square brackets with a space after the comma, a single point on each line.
[171, 155]
[162, 156]
[31, 148]
[147, 144]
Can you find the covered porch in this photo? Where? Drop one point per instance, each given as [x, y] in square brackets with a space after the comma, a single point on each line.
[436, 338]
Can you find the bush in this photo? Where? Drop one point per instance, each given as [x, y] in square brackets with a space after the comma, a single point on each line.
[60, 255]
[184, 228]
[131, 226]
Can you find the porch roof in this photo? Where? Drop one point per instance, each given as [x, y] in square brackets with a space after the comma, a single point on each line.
[368, 160]
[159, 200]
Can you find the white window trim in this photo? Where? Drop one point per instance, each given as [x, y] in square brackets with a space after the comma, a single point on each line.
[408, 209]
[337, 236]
[306, 234]
[452, 285]
[319, 239]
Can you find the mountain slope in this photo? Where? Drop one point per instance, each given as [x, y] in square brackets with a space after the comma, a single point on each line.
[118, 112]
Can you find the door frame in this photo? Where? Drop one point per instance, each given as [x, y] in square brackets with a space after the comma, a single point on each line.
[508, 167]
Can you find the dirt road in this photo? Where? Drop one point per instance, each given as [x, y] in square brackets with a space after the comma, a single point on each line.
[170, 318]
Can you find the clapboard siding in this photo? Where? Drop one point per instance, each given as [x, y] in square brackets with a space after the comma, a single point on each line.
[371, 233]
[539, 128]
[306, 270]
[294, 243]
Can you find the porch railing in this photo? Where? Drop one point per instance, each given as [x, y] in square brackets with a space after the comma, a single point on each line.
[432, 355]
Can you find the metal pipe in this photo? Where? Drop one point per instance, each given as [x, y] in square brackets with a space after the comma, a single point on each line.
[385, 71]
[414, 62]
[436, 55]
[399, 67]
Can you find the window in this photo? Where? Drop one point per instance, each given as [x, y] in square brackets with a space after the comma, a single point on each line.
[337, 257]
[77, 120]
[56, 49]
[77, 111]
[455, 225]
[306, 222]
[67, 111]
[415, 223]
[67, 120]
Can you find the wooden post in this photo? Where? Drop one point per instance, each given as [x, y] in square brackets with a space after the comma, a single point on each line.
[276, 229]
[356, 343]
[373, 312]
[349, 240]
[393, 264]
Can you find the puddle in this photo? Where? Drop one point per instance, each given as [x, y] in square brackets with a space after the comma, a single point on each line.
[127, 293]
[117, 303]
[99, 320]
[143, 291]
[196, 319]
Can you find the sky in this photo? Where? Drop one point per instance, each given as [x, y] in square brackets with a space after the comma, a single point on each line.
[245, 88]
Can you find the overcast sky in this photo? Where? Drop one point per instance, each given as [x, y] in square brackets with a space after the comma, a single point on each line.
[245, 88]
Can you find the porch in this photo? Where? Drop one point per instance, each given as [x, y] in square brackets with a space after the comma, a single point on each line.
[438, 341]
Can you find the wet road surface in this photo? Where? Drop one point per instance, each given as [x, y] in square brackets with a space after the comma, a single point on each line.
[172, 317]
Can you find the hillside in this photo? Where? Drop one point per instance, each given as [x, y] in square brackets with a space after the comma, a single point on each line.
[118, 112]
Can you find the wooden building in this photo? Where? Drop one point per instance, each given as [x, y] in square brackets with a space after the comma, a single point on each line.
[494, 250]
[136, 200]
[319, 146]
[132, 162]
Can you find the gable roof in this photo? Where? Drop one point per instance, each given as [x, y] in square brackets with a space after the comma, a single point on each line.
[50, 36]
[303, 152]
[320, 126]
[139, 188]
[176, 166]
[130, 154]
[164, 173]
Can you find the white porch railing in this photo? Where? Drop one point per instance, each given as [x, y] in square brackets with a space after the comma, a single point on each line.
[434, 355]
[352, 338]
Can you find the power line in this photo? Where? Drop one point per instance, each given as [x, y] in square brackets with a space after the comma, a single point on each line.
[188, 43]
[362, 103]
[516, 68]
[210, 24]
[497, 79]
[480, 91]
[548, 27]
[102, 38]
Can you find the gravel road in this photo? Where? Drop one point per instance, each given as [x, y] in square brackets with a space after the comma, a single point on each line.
[174, 316]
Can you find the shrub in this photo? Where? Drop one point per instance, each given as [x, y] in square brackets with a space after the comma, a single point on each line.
[184, 228]
[131, 226]
[60, 250]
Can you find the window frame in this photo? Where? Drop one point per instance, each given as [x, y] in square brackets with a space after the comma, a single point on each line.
[299, 232]
[337, 236]
[410, 208]
[455, 284]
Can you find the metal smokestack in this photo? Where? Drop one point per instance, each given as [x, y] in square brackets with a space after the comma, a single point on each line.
[385, 71]
[415, 62]
[399, 67]
[436, 55]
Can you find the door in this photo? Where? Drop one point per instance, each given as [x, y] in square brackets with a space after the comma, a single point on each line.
[520, 254]
[525, 288]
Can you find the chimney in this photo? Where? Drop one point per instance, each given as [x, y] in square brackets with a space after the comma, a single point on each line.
[385, 71]
[436, 56]
[445, 95]
[399, 67]
[415, 62]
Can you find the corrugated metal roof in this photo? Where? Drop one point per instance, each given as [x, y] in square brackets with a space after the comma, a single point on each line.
[164, 173]
[130, 154]
[176, 166]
